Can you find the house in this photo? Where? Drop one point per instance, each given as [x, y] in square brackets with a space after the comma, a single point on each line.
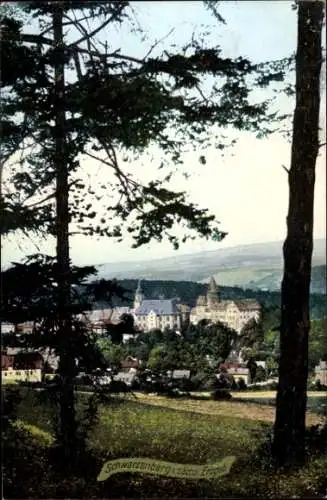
[7, 361]
[21, 367]
[237, 371]
[29, 361]
[127, 378]
[101, 318]
[49, 357]
[26, 327]
[179, 374]
[321, 373]
[130, 365]
[7, 327]
[233, 313]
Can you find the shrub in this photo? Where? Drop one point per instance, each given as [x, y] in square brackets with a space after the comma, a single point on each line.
[118, 387]
[220, 394]
[241, 385]
[316, 385]
[196, 382]
[184, 385]
[260, 375]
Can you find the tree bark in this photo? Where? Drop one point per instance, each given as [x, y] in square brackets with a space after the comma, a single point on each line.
[289, 431]
[65, 344]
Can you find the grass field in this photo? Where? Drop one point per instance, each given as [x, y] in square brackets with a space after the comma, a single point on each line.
[240, 409]
[182, 431]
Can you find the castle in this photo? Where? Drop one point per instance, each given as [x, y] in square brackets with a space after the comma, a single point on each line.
[234, 313]
[163, 313]
[158, 313]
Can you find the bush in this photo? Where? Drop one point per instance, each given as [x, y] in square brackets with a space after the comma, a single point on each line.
[184, 385]
[316, 385]
[83, 380]
[260, 375]
[196, 382]
[220, 394]
[118, 387]
[241, 385]
[26, 383]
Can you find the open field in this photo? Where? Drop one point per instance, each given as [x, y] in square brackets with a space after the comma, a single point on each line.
[181, 431]
[272, 394]
[253, 411]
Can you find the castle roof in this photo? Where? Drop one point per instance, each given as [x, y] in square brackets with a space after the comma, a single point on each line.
[183, 308]
[242, 305]
[247, 304]
[158, 306]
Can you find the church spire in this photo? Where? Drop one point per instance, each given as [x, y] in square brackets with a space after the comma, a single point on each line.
[139, 287]
[138, 296]
[213, 286]
[213, 295]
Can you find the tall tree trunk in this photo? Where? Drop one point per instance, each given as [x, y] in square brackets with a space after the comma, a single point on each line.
[66, 354]
[289, 432]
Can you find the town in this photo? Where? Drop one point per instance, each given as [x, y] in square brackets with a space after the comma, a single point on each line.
[155, 316]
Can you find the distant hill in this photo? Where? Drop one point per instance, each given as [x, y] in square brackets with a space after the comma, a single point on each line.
[256, 266]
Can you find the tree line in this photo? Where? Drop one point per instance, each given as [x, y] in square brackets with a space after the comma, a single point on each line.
[187, 293]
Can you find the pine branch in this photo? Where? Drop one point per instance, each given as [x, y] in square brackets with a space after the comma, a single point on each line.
[99, 28]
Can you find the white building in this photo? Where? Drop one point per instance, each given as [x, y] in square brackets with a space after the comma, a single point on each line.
[321, 372]
[233, 313]
[150, 314]
[7, 327]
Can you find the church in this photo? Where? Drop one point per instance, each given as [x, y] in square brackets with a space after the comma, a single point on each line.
[150, 314]
[233, 313]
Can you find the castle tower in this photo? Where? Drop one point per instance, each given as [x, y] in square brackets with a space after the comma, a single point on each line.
[139, 296]
[213, 295]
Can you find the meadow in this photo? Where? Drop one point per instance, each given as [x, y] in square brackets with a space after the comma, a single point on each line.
[182, 431]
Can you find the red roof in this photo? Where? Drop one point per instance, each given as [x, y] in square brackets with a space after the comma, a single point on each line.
[228, 365]
[7, 361]
[130, 363]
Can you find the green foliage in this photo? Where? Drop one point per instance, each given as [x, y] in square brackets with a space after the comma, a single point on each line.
[135, 103]
[133, 429]
[215, 340]
[251, 335]
[166, 350]
[317, 342]
[112, 353]
[30, 290]
[171, 354]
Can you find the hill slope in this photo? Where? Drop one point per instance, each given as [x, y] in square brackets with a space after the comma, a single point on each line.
[250, 266]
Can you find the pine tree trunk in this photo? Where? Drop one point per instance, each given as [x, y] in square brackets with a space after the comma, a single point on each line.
[289, 432]
[66, 354]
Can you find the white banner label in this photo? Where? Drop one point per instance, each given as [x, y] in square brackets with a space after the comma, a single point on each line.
[167, 469]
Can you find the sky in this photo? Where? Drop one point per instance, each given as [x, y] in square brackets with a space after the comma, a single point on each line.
[247, 189]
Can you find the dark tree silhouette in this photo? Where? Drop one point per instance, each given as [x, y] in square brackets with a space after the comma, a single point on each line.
[289, 430]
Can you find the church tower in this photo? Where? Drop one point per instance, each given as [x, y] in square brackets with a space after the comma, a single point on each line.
[213, 295]
[138, 299]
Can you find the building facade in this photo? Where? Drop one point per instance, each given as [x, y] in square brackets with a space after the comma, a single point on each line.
[321, 373]
[233, 313]
[21, 367]
[150, 314]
